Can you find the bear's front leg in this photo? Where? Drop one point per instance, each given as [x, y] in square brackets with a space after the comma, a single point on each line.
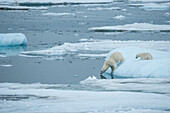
[112, 76]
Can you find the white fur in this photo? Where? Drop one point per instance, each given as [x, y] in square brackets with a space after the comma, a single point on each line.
[112, 61]
[144, 56]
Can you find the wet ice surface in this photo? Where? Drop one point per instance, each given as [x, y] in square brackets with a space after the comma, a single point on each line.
[90, 95]
[62, 53]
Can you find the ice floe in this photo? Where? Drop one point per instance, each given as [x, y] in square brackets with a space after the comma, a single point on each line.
[101, 8]
[151, 6]
[58, 14]
[147, 85]
[95, 47]
[167, 14]
[142, 97]
[133, 28]
[120, 17]
[22, 8]
[158, 67]
[6, 65]
[54, 2]
[148, 0]
[154, 6]
[11, 44]
[12, 39]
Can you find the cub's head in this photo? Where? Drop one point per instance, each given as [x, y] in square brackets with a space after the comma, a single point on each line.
[138, 55]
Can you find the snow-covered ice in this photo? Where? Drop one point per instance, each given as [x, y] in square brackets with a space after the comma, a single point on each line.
[120, 17]
[94, 96]
[21, 8]
[101, 8]
[51, 2]
[95, 47]
[154, 6]
[58, 14]
[6, 65]
[167, 14]
[148, 0]
[133, 27]
[158, 67]
[151, 6]
[146, 85]
[13, 39]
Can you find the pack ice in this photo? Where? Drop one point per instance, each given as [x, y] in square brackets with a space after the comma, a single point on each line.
[12, 39]
[158, 67]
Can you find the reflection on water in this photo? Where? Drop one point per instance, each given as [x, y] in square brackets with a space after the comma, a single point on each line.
[12, 50]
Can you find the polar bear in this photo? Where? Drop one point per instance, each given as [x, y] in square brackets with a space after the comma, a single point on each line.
[112, 62]
[144, 56]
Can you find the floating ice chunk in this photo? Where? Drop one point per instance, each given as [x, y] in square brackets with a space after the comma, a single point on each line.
[120, 17]
[167, 14]
[58, 14]
[101, 8]
[2, 56]
[148, 0]
[151, 6]
[54, 2]
[132, 27]
[95, 47]
[158, 67]
[135, 5]
[154, 6]
[6, 65]
[168, 21]
[21, 8]
[12, 39]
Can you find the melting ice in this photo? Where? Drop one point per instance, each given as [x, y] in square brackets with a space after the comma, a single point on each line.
[92, 95]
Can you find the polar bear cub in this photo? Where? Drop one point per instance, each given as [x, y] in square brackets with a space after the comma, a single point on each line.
[112, 62]
[144, 56]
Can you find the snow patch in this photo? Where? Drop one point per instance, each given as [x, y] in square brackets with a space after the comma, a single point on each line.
[92, 55]
[120, 17]
[132, 27]
[101, 8]
[12, 39]
[6, 65]
[58, 14]
[54, 2]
